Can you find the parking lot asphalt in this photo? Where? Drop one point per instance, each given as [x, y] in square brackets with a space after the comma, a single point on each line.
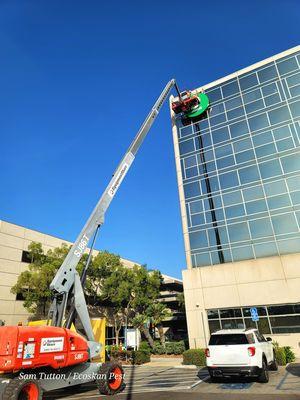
[162, 383]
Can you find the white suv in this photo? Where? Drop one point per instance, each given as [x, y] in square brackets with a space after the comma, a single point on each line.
[239, 352]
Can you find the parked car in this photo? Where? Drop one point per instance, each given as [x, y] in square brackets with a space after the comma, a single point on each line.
[239, 352]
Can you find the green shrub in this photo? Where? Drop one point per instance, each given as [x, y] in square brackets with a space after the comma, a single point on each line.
[175, 347]
[158, 348]
[140, 357]
[194, 357]
[289, 354]
[280, 355]
[144, 346]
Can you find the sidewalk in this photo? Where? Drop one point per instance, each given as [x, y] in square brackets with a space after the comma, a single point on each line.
[172, 362]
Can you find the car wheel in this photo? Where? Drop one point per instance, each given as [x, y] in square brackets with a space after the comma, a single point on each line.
[213, 379]
[264, 374]
[274, 364]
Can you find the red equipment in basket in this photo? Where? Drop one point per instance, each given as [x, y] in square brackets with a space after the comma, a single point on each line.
[40, 346]
[186, 102]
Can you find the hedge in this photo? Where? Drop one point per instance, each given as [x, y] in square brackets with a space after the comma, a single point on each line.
[280, 355]
[194, 357]
[289, 354]
[140, 357]
[171, 347]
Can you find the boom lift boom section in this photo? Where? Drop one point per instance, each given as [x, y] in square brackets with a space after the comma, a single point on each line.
[66, 283]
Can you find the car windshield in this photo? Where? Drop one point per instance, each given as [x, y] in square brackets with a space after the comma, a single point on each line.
[229, 339]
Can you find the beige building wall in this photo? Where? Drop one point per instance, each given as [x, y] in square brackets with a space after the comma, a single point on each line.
[265, 281]
[13, 240]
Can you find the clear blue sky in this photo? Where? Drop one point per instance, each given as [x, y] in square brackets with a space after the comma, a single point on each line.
[77, 79]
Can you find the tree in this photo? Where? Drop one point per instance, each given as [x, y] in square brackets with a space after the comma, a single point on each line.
[141, 321]
[158, 312]
[181, 301]
[33, 284]
[146, 291]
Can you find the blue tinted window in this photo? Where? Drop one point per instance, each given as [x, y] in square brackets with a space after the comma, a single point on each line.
[260, 228]
[191, 189]
[255, 192]
[190, 172]
[237, 112]
[265, 150]
[281, 133]
[202, 260]
[267, 74]
[248, 81]
[238, 232]
[217, 119]
[280, 114]
[196, 206]
[198, 240]
[217, 109]
[241, 145]
[269, 169]
[238, 129]
[186, 146]
[273, 188]
[225, 162]
[222, 151]
[234, 211]
[285, 144]
[295, 197]
[242, 253]
[285, 223]
[244, 156]
[220, 135]
[262, 138]
[295, 109]
[256, 206]
[288, 65]
[206, 141]
[190, 161]
[232, 198]
[278, 201]
[197, 219]
[258, 122]
[269, 89]
[233, 103]
[273, 99]
[293, 183]
[291, 163]
[295, 91]
[252, 96]
[214, 94]
[228, 180]
[289, 246]
[187, 130]
[254, 106]
[249, 174]
[230, 88]
[265, 249]
[208, 156]
[293, 80]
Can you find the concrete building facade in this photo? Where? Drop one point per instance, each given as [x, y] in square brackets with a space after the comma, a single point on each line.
[238, 171]
[14, 241]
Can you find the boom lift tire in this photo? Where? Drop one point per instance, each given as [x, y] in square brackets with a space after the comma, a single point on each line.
[22, 389]
[113, 378]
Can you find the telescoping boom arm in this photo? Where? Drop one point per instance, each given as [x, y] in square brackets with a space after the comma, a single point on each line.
[67, 279]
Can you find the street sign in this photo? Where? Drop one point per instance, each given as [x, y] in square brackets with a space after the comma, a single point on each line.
[254, 314]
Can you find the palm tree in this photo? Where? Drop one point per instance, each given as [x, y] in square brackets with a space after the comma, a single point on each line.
[140, 321]
[158, 312]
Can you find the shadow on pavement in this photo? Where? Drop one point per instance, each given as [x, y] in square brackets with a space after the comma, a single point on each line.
[294, 369]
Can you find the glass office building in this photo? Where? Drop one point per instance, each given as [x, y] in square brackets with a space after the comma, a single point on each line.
[240, 166]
